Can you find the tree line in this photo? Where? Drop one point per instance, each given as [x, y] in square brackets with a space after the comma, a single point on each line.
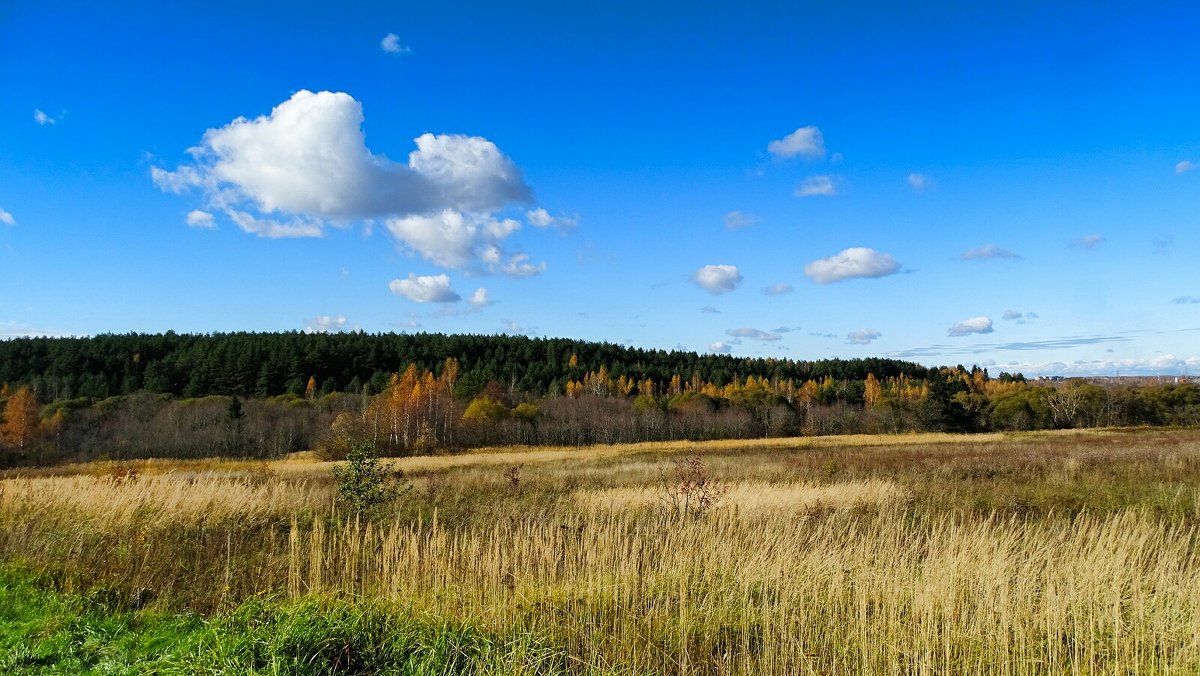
[474, 393]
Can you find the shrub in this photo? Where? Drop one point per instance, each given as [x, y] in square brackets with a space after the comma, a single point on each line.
[364, 483]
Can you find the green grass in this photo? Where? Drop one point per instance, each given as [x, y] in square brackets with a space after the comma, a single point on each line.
[43, 631]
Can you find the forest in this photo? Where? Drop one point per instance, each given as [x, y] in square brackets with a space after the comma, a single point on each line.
[265, 395]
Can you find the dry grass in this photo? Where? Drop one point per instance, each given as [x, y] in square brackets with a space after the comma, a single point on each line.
[1018, 554]
[757, 498]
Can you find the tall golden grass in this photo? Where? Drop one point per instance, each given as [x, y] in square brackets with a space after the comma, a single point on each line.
[1058, 553]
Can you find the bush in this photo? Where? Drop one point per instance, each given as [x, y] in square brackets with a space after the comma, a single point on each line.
[364, 483]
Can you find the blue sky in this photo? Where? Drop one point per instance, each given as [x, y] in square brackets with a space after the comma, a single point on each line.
[1009, 186]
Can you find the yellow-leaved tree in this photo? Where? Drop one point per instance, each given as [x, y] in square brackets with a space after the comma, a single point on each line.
[20, 428]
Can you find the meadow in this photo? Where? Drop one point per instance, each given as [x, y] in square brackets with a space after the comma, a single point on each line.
[1015, 553]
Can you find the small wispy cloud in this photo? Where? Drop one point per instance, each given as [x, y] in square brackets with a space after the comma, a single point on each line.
[710, 310]
[391, 44]
[1187, 300]
[862, 336]
[720, 347]
[974, 325]
[43, 119]
[1088, 242]
[540, 218]
[778, 289]
[200, 219]
[987, 252]
[814, 186]
[1011, 315]
[919, 182]
[1064, 343]
[805, 141]
[1184, 167]
[754, 334]
[736, 220]
[480, 298]
[7, 218]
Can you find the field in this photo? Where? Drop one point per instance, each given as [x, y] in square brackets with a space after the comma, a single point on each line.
[1051, 552]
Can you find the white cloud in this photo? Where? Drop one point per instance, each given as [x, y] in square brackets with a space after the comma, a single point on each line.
[862, 336]
[1010, 315]
[718, 278]
[967, 327]
[1088, 241]
[710, 310]
[306, 166]
[754, 334]
[987, 252]
[778, 289]
[720, 347]
[391, 44]
[919, 181]
[7, 218]
[806, 141]
[14, 329]
[519, 266]
[1184, 166]
[1187, 300]
[327, 324]
[425, 289]
[43, 119]
[736, 220]
[511, 326]
[851, 263]
[816, 185]
[275, 229]
[1161, 365]
[200, 219]
[540, 218]
[480, 298]
[462, 241]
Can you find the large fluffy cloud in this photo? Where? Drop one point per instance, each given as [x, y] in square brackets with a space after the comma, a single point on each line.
[306, 166]
[718, 278]
[309, 158]
[850, 263]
